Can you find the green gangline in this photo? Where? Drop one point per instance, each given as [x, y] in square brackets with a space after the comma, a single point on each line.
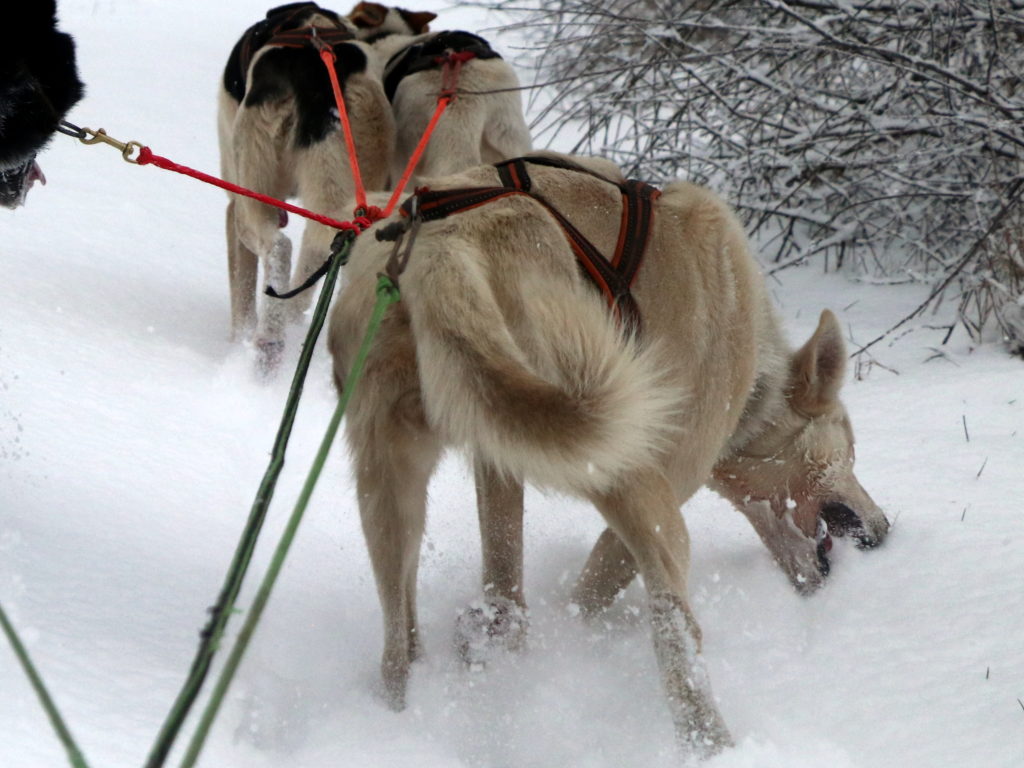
[221, 611]
[74, 753]
[387, 294]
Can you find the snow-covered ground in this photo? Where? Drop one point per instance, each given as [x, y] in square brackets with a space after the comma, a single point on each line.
[132, 439]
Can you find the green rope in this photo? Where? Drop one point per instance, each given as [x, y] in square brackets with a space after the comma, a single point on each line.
[387, 294]
[74, 753]
[221, 611]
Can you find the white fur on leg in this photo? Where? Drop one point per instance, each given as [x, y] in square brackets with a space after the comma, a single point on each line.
[700, 728]
[269, 340]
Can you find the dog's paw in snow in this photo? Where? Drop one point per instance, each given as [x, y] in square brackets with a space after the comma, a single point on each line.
[488, 627]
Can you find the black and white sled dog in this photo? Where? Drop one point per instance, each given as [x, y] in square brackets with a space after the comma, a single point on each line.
[38, 85]
[485, 124]
[279, 133]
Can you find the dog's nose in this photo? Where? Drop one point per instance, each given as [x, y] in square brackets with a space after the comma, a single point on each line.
[842, 520]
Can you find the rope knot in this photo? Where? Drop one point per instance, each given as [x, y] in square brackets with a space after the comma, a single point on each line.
[326, 51]
[451, 65]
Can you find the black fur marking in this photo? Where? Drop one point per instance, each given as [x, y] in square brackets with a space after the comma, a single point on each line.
[842, 520]
[38, 85]
[299, 72]
[423, 56]
[280, 19]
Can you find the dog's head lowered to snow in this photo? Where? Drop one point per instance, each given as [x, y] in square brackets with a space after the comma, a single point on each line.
[794, 479]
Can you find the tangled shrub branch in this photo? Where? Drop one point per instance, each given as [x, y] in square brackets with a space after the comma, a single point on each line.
[882, 135]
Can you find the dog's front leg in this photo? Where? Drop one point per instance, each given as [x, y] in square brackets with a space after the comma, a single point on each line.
[500, 508]
[643, 511]
[500, 621]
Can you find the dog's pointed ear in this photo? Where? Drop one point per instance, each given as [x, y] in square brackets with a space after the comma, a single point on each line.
[817, 368]
[418, 20]
[368, 15]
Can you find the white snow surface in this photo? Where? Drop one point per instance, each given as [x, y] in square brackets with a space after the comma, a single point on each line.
[133, 437]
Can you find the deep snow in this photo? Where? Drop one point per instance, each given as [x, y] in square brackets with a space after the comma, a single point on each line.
[132, 438]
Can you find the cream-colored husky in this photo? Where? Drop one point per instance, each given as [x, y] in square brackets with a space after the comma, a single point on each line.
[484, 124]
[279, 135]
[500, 346]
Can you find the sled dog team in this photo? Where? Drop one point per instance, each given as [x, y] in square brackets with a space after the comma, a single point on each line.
[559, 323]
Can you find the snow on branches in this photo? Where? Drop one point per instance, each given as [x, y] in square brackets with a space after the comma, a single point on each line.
[883, 135]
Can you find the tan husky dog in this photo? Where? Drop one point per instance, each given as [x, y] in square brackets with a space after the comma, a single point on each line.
[484, 124]
[279, 135]
[500, 346]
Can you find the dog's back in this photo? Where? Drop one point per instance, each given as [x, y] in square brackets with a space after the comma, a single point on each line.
[519, 357]
[261, 71]
[484, 124]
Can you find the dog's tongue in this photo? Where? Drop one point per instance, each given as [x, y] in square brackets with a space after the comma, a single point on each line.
[35, 173]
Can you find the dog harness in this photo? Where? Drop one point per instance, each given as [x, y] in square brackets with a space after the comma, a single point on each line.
[283, 27]
[613, 277]
[431, 54]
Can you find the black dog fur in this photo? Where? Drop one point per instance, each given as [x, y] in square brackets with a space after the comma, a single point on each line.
[38, 85]
[281, 72]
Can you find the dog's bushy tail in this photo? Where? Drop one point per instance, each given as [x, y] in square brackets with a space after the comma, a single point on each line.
[564, 399]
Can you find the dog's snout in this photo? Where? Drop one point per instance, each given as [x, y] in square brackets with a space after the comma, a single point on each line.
[840, 519]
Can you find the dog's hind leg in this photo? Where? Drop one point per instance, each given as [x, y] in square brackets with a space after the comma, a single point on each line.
[500, 621]
[643, 512]
[609, 570]
[395, 454]
[500, 508]
[242, 268]
[262, 163]
[275, 254]
[258, 230]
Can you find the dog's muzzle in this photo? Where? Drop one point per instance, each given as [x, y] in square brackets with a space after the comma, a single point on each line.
[16, 181]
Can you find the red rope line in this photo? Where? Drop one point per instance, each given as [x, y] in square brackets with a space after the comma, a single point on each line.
[328, 58]
[146, 157]
[451, 67]
[442, 105]
[449, 80]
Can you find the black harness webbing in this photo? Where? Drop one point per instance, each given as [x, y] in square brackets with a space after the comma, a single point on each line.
[613, 277]
[285, 26]
[431, 54]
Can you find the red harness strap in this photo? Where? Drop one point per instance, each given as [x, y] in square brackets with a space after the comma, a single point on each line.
[613, 277]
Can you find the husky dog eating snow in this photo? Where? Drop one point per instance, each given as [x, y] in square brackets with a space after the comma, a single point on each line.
[279, 135]
[520, 339]
[38, 85]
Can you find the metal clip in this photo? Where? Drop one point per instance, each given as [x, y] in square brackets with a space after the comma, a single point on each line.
[129, 150]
